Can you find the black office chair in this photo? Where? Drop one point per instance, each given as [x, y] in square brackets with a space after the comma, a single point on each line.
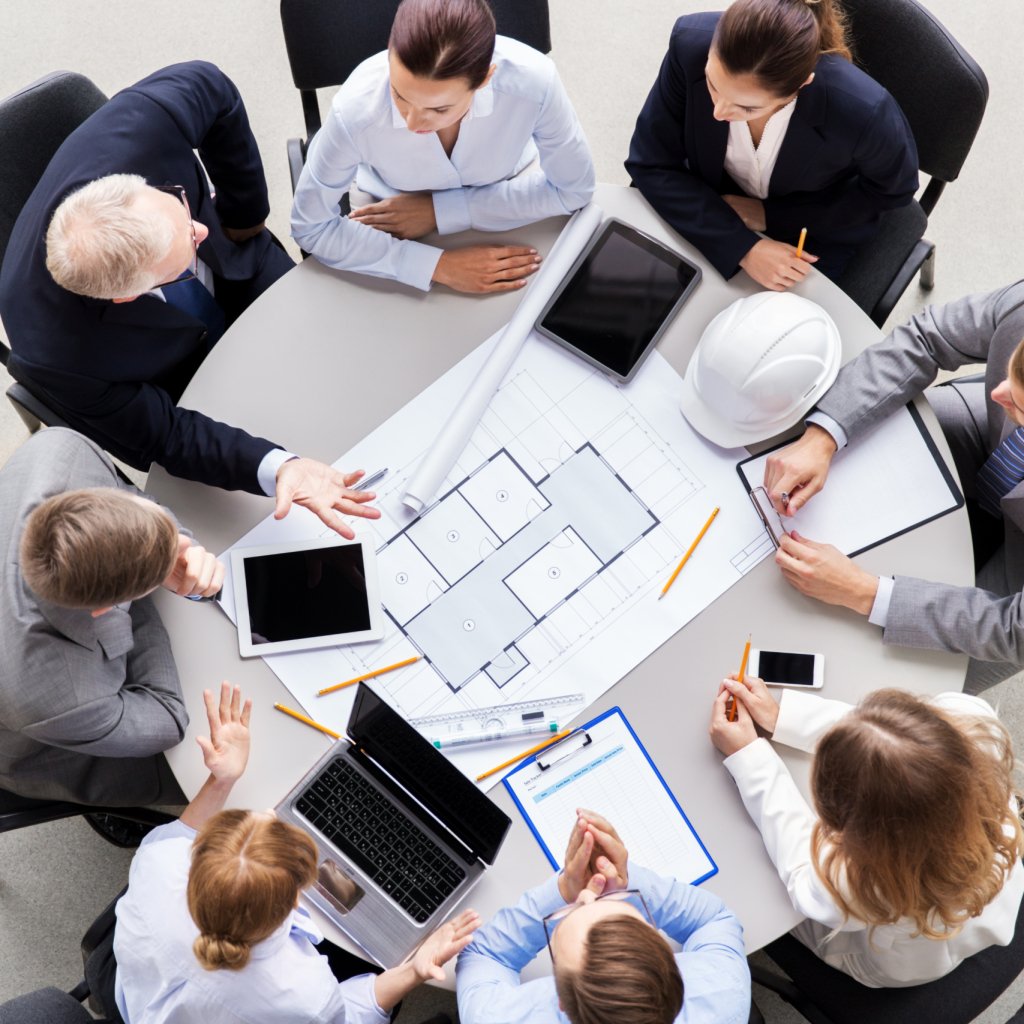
[327, 39]
[943, 93]
[827, 996]
[33, 123]
[120, 826]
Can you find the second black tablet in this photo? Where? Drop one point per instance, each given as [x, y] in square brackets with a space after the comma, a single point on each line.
[618, 299]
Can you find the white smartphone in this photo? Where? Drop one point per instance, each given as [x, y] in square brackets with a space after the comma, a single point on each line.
[785, 668]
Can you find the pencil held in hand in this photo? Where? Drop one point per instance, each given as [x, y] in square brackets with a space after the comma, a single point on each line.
[800, 244]
[731, 709]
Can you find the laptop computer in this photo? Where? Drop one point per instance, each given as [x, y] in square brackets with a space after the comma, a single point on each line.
[403, 835]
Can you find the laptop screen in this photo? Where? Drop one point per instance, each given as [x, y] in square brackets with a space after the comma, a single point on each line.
[426, 773]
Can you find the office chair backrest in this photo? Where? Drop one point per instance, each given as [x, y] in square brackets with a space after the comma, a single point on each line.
[33, 123]
[327, 39]
[44, 1006]
[936, 82]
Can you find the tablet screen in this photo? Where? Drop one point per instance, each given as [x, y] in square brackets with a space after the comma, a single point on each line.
[295, 595]
[618, 300]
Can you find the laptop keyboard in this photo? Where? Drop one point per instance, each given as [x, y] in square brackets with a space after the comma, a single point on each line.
[379, 839]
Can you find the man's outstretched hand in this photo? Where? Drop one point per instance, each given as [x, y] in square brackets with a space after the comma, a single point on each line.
[325, 492]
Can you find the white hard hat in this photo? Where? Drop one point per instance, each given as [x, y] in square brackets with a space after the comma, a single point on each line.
[758, 367]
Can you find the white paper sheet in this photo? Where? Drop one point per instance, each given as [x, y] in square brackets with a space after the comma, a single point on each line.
[613, 777]
[885, 482]
[537, 571]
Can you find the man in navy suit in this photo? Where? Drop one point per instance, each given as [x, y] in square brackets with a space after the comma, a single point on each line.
[126, 265]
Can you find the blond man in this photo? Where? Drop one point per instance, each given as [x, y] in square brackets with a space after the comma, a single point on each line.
[89, 695]
[125, 266]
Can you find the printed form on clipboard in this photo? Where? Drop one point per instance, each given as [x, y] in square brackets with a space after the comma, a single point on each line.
[603, 766]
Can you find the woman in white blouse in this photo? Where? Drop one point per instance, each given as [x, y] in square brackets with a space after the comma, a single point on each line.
[910, 860]
[450, 128]
[759, 122]
[211, 928]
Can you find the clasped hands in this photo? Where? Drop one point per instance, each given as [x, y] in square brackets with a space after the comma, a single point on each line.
[595, 858]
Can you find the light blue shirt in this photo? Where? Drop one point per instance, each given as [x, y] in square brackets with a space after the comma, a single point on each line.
[523, 113]
[716, 979]
[159, 980]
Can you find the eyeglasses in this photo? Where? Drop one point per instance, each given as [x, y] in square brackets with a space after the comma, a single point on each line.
[630, 896]
[193, 271]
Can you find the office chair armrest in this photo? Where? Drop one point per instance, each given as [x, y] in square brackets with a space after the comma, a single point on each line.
[296, 160]
[899, 284]
[787, 992]
[33, 411]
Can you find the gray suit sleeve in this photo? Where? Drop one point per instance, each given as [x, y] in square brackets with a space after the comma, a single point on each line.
[142, 715]
[966, 620]
[898, 368]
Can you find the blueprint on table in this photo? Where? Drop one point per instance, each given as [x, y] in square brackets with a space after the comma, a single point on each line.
[537, 570]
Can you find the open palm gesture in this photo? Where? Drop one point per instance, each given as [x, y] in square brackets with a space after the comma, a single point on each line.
[447, 941]
[226, 749]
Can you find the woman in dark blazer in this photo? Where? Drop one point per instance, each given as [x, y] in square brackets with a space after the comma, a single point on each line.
[759, 122]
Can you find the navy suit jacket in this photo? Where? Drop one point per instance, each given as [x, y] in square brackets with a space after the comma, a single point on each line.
[115, 371]
[847, 156]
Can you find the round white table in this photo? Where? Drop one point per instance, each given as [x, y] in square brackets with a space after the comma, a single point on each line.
[324, 357]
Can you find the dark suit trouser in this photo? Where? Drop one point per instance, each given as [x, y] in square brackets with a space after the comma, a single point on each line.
[963, 416]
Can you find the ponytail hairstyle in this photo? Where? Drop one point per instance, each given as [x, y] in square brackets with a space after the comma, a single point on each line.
[779, 42]
[246, 875]
[915, 816]
[444, 39]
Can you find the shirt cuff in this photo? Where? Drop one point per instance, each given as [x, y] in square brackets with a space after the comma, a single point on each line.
[823, 420]
[417, 263]
[879, 615]
[547, 898]
[266, 473]
[741, 763]
[361, 1004]
[451, 211]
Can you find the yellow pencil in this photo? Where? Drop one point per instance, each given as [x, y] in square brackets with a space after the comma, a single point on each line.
[369, 675]
[731, 710]
[308, 721]
[690, 550]
[526, 753]
[800, 244]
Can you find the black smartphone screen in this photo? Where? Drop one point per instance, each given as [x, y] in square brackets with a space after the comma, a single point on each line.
[784, 667]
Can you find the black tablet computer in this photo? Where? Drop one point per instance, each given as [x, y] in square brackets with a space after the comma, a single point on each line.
[618, 299]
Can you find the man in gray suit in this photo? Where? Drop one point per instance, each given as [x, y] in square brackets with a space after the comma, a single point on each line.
[984, 425]
[89, 695]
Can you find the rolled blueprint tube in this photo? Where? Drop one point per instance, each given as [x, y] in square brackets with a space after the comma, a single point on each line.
[454, 436]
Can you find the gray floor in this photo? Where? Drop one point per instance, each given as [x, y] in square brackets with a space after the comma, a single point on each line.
[55, 878]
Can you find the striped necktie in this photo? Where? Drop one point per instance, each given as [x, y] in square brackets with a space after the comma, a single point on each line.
[1003, 470]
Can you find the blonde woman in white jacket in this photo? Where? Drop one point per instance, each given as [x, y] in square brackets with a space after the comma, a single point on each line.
[910, 859]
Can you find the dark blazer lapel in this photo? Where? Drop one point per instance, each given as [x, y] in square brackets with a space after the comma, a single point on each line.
[804, 143]
[149, 312]
[707, 137]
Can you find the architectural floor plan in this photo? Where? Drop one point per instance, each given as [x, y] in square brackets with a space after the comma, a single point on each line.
[536, 571]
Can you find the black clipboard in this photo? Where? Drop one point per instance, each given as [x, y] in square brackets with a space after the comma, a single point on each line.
[956, 496]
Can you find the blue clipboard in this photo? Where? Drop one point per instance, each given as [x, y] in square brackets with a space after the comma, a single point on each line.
[551, 752]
